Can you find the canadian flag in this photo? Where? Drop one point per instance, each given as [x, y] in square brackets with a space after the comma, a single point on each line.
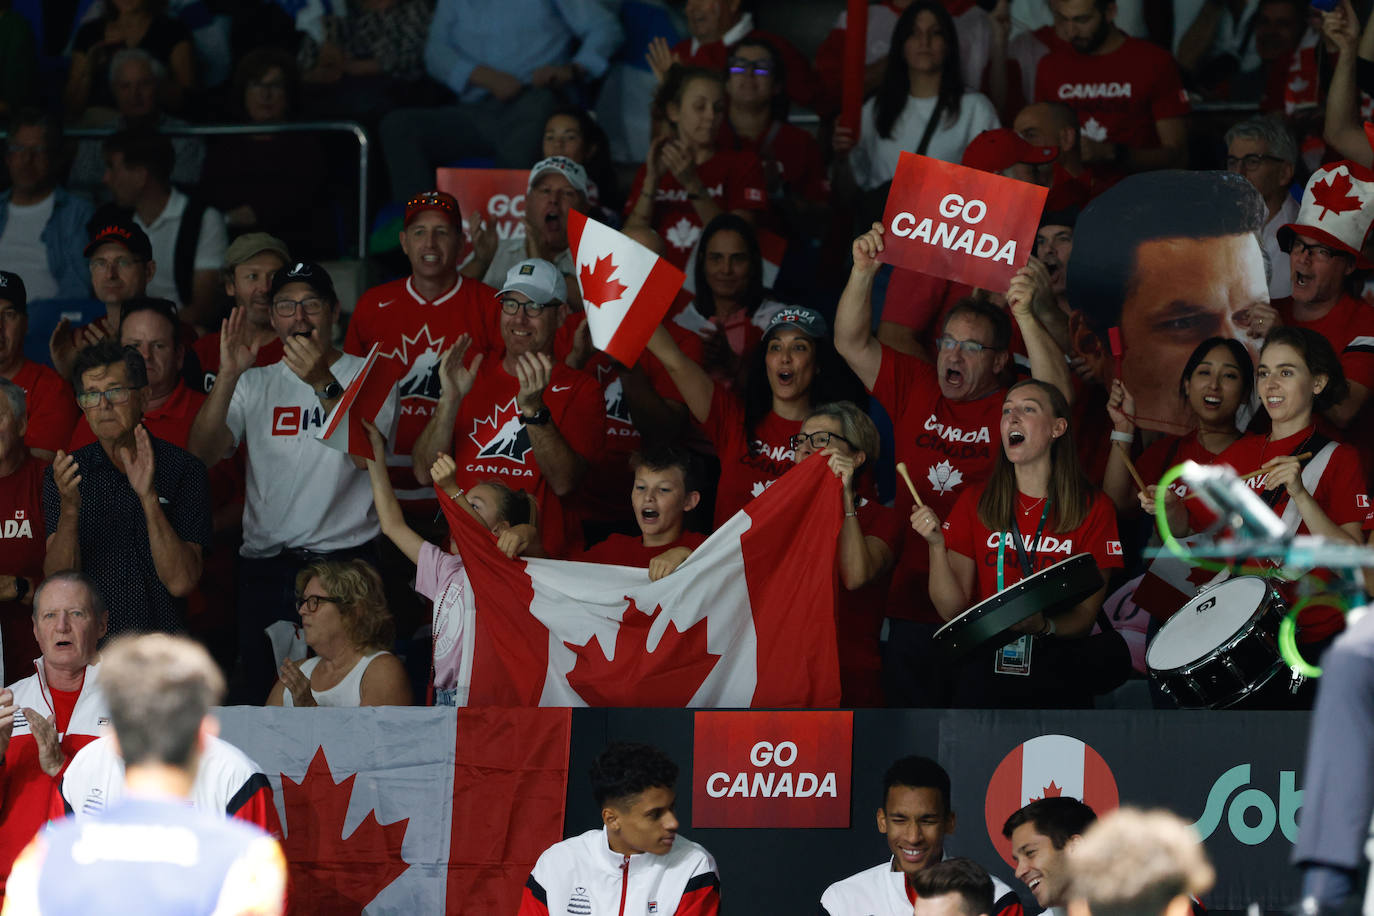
[747, 620]
[409, 810]
[626, 288]
[365, 398]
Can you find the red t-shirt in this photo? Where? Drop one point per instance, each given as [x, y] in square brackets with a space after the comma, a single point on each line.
[1349, 328]
[965, 534]
[791, 158]
[860, 613]
[412, 335]
[23, 544]
[1118, 96]
[734, 179]
[747, 466]
[801, 87]
[949, 448]
[1169, 451]
[50, 405]
[627, 550]
[171, 422]
[207, 351]
[1341, 493]
[490, 442]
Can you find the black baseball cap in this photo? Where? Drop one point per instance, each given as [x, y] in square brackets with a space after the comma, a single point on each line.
[315, 276]
[12, 291]
[122, 232]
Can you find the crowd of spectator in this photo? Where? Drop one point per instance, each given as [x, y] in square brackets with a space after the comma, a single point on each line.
[178, 313]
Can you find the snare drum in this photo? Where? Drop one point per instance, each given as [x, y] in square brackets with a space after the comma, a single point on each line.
[1222, 646]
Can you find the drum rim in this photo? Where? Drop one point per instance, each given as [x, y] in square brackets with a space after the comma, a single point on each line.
[1271, 595]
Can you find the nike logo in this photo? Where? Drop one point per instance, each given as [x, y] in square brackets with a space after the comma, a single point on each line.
[556, 389]
[382, 305]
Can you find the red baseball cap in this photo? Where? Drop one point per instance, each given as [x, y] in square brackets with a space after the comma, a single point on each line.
[440, 201]
[1000, 149]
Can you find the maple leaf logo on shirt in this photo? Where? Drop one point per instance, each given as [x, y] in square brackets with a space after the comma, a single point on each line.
[635, 675]
[316, 809]
[422, 368]
[683, 234]
[1094, 130]
[760, 486]
[1333, 195]
[944, 477]
[598, 283]
[509, 437]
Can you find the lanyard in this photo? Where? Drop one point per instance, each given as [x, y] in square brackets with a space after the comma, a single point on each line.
[1021, 552]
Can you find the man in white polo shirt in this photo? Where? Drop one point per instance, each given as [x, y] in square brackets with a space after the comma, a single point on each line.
[305, 501]
[188, 237]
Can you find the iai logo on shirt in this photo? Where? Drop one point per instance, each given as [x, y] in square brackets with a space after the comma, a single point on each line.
[501, 435]
[1046, 767]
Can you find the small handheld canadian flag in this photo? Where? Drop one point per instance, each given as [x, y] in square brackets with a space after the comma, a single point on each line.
[364, 399]
[626, 288]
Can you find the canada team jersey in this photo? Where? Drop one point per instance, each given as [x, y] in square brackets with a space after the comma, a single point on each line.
[884, 891]
[748, 465]
[733, 179]
[50, 405]
[791, 158]
[412, 335]
[174, 860]
[965, 534]
[627, 550]
[1118, 96]
[1349, 328]
[29, 796]
[859, 613]
[949, 448]
[1165, 453]
[23, 544]
[584, 876]
[489, 441]
[227, 783]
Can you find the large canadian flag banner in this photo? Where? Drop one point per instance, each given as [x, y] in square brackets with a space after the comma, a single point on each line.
[394, 811]
[747, 620]
[626, 288]
[959, 223]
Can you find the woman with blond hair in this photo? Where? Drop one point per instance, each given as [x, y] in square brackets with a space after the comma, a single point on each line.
[348, 627]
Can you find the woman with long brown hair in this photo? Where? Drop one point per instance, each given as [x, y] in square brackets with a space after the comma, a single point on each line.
[1036, 509]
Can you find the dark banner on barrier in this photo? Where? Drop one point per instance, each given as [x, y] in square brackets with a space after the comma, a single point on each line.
[1236, 775]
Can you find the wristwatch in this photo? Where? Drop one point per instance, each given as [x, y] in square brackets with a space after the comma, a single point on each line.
[21, 588]
[542, 417]
[330, 392]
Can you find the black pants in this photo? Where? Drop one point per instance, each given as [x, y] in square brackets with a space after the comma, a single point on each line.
[915, 673]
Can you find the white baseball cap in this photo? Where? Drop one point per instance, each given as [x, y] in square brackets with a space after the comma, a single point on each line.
[537, 279]
[574, 172]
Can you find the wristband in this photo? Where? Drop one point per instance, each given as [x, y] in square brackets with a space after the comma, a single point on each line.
[851, 515]
[1050, 628]
[1127, 438]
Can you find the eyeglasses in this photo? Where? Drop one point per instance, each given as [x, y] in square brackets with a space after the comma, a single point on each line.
[112, 396]
[745, 65]
[1249, 163]
[15, 149]
[312, 603]
[1318, 252]
[102, 264]
[971, 347]
[511, 306]
[818, 440]
[285, 308]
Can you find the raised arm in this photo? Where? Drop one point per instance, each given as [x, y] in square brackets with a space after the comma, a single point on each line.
[692, 381]
[455, 380]
[210, 438]
[1343, 129]
[1047, 361]
[854, 315]
[558, 461]
[1116, 481]
[952, 575]
[862, 558]
[178, 563]
[389, 513]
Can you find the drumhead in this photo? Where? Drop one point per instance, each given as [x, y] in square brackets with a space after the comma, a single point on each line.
[1214, 616]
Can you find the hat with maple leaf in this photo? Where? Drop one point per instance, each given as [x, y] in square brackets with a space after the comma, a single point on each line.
[1337, 210]
[1001, 148]
[573, 171]
[809, 321]
[537, 279]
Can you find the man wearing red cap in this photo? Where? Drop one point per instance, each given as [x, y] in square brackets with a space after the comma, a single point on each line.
[1004, 151]
[52, 409]
[415, 319]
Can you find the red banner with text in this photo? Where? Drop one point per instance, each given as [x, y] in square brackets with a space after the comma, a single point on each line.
[772, 769]
[959, 223]
[497, 194]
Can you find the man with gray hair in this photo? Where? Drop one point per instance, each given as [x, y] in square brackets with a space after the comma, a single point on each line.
[22, 544]
[1263, 152]
[1138, 863]
[130, 510]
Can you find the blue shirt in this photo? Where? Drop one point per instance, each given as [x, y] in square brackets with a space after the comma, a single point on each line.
[519, 39]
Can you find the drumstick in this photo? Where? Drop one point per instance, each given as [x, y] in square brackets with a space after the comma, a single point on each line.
[1130, 466]
[1253, 474]
[901, 469]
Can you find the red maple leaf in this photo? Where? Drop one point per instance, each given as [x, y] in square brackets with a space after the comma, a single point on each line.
[332, 874]
[1333, 195]
[668, 676]
[599, 285]
[1051, 791]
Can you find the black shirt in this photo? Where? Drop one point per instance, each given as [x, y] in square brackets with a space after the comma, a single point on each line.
[112, 531]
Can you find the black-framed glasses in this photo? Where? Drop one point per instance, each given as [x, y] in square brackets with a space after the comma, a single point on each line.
[1250, 162]
[89, 399]
[312, 602]
[285, 308]
[971, 347]
[818, 440]
[745, 65]
[121, 263]
[1318, 252]
[511, 306]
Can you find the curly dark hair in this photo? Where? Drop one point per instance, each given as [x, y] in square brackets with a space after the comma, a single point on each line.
[624, 770]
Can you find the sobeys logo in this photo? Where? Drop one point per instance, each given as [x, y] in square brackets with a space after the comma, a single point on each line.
[1284, 815]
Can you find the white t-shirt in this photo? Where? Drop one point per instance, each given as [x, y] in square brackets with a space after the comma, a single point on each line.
[874, 159]
[510, 252]
[162, 233]
[301, 493]
[22, 249]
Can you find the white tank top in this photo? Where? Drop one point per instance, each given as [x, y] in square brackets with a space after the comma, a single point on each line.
[346, 693]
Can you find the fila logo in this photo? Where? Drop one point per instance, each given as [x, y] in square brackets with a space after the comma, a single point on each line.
[1113, 548]
[286, 421]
